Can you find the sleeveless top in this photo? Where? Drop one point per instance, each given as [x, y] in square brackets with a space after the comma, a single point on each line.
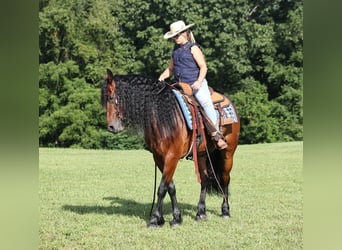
[185, 68]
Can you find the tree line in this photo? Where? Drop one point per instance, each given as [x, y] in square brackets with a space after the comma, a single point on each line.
[253, 49]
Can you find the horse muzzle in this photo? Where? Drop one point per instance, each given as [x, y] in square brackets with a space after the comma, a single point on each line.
[115, 127]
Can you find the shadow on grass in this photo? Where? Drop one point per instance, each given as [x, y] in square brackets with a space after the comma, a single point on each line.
[126, 207]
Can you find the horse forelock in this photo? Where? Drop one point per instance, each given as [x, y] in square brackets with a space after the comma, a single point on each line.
[146, 101]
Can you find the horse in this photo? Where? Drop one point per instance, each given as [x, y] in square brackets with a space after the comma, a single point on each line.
[149, 107]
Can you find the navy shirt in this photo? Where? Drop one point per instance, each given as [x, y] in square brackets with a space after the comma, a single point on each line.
[185, 68]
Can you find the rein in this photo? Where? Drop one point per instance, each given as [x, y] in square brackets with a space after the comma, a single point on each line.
[154, 189]
[194, 146]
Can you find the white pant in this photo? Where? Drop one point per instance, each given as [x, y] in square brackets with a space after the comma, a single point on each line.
[203, 97]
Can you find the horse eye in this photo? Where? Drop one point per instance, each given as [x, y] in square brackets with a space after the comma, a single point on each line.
[116, 101]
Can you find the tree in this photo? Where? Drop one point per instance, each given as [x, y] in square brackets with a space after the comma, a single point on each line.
[254, 52]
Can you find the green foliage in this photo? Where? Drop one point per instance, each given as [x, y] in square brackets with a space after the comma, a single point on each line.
[257, 123]
[254, 52]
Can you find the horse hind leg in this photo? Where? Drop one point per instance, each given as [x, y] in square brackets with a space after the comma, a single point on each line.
[222, 163]
[226, 180]
[177, 217]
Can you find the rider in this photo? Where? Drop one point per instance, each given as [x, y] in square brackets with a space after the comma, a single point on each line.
[188, 65]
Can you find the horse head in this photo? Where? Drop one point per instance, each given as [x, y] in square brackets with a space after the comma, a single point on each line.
[113, 107]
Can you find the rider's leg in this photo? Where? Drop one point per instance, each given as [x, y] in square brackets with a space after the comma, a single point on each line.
[204, 99]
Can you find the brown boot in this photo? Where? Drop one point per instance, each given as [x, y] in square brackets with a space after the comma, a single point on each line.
[221, 144]
[219, 140]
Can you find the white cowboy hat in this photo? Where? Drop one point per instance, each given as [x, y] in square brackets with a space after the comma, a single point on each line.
[175, 28]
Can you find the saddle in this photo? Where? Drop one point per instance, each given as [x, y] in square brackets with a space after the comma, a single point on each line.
[221, 103]
[199, 120]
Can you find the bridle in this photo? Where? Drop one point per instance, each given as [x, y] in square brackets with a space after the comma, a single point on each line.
[114, 100]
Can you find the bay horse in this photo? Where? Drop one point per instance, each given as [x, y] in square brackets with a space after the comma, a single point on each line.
[149, 106]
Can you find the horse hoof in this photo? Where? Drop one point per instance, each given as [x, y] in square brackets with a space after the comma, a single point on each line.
[201, 217]
[225, 216]
[175, 223]
[154, 222]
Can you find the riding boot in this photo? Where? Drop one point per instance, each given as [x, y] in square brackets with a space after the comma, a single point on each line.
[219, 140]
[216, 136]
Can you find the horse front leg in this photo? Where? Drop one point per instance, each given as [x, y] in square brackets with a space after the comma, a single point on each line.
[177, 217]
[201, 213]
[201, 207]
[167, 166]
[157, 218]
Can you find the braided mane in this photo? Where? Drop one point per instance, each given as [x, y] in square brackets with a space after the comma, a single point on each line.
[146, 101]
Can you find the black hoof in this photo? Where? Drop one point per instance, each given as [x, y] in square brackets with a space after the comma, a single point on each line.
[225, 215]
[175, 223]
[155, 222]
[201, 217]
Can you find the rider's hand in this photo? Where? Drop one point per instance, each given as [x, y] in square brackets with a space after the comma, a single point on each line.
[196, 85]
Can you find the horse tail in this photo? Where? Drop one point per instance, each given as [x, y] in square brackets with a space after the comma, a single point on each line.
[215, 167]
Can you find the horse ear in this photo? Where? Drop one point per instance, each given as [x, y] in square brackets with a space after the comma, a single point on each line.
[109, 75]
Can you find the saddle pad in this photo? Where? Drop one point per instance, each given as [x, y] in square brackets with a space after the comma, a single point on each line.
[228, 112]
[184, 107]
[228, 115]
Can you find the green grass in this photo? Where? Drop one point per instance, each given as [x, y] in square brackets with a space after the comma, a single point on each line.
[101, 199]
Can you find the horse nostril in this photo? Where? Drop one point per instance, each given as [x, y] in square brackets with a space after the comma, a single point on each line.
[110, 128]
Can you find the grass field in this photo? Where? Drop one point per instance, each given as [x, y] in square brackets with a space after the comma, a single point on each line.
[101, 199]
